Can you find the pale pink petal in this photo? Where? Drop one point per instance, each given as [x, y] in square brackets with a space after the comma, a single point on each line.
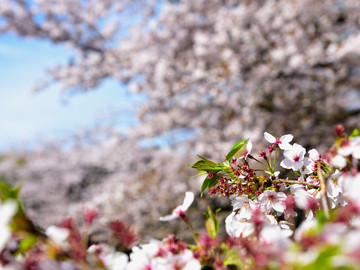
[356, 152]
[286, 163]
[314, 155]
[284, 145]
[338, 161]
[270, 138]
[279, 206]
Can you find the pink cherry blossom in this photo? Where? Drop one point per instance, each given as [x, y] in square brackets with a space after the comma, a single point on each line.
[294, 157]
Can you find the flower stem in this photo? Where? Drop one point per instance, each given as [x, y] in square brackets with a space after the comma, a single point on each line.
[275, 160]
[252, 157]
[192, 230]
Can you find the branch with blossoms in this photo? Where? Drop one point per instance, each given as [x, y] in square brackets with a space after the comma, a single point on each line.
[303, 215]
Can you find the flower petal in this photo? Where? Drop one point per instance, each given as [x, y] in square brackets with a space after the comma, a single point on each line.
[168, 218]
[270, 138]
[189, 198]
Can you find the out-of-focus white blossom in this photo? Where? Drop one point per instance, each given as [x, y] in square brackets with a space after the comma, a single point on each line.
[237, 226]
[7, 211]
[180, 210]
[58, 235]
[271, 200]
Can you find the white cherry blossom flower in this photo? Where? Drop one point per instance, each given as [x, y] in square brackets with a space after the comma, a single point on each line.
[314, 157]
[282, 142]
[294, 157]
[303, 199]
[142, 256]
[338, 161]
[244, 205]
[276, 237]
[58, 235]
[335, 184]
[180, 210]
[238, 227]
[271, 200]
[352, 187]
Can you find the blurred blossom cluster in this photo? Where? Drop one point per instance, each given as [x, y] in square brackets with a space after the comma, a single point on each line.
[216, 70]
[303, 215]
[115, 176]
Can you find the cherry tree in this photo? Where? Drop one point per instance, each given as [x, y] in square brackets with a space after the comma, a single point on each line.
[221, 69]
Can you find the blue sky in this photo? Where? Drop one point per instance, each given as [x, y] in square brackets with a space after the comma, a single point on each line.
[26, 117]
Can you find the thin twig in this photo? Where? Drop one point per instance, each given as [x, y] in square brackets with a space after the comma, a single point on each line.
[323, 201]
[287, 181]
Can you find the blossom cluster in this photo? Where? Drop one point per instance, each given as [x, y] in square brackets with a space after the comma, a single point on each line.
[299, 212]
[215, 72]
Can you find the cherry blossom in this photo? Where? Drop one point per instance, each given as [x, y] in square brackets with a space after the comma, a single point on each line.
[58, 235]
[237, 226]
[335, 184]
[244, 205]
[282, 142]
[219, 71]
[180, 210]
[7, 211]
[271, 200]
[294, 157]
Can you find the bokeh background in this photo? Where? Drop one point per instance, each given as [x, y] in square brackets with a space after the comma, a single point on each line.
[103, 102]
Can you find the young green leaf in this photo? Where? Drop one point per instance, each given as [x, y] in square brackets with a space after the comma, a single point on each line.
[206, 165]
[354, 133]
[212, 222]
[7, 192]
[209, 183]
[237, 150]
[198, 174]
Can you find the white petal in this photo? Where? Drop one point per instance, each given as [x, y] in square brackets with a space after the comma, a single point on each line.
[286, 163]
[57, 234]
[270, 138]
[249, 146]
[338, 161]
[297, 165]
[7, 210]
[279, 207]
[286, 138]
[314, 155]
[168, 218]
[356, 152]
[189, 198]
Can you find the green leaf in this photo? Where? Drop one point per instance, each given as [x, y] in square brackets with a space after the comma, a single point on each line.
[354, 133]
[206, 165]
[325, 259]
[7, 192]
[26, 244]
[232, 258]
[198, 174]
[212, 222]
[236, 150]
[209, 183]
